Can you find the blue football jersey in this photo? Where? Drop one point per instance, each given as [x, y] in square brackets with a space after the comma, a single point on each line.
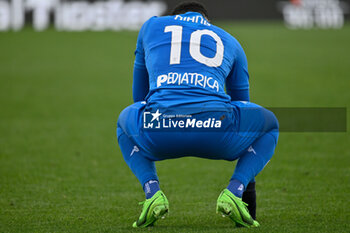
[185, 61]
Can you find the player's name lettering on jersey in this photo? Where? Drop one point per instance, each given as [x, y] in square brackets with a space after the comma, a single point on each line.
[195, 79]
[194, 19]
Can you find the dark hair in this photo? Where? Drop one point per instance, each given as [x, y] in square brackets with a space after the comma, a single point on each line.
[190, 6]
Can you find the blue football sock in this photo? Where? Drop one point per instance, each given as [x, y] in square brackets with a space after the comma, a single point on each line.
[150, 188]
[252, 162]
[236, 187]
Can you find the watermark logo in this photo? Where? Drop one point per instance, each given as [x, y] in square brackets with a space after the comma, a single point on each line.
[151, 120]
[158, 120]
[290, 120]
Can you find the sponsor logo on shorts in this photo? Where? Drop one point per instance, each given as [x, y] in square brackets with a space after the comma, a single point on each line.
[251, 149]
[134, 150]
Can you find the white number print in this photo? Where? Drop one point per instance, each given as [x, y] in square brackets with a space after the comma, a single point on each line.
[195, 46]
[176, 40]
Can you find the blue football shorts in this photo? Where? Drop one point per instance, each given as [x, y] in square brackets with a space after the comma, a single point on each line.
[221, 134]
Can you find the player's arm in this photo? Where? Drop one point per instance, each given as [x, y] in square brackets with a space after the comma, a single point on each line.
[140, 86]
[237, 83]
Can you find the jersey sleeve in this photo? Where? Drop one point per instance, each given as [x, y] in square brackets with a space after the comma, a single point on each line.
[140, 86]
[237, 83]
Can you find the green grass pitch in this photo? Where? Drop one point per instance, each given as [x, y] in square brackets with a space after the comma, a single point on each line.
[61, 169]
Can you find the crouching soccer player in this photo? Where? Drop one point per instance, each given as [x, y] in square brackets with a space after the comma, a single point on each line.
[182, 66]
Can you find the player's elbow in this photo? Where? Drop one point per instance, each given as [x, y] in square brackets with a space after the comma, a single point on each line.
[239, 94]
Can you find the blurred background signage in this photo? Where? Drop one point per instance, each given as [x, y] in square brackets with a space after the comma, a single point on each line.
[78, 15]
[81, 15]
[314, 13]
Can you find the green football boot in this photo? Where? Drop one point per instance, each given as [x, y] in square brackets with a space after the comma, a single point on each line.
[233, 207]
[153, 209]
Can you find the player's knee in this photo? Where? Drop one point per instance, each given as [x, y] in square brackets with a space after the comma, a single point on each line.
[120, 119]
[129, 114]
[271, 121]
[121, 123]
[123, 116]
[120, 132]
[271, 124]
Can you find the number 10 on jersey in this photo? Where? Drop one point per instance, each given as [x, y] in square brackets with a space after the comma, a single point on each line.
[195, 46]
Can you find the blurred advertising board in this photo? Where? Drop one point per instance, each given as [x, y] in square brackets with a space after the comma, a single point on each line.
[101, 15]
[78, 15]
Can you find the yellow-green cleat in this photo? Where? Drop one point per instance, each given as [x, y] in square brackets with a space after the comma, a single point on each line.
[233, 207]
[153, 209]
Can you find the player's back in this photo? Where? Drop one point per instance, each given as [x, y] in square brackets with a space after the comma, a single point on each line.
[187, 60]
